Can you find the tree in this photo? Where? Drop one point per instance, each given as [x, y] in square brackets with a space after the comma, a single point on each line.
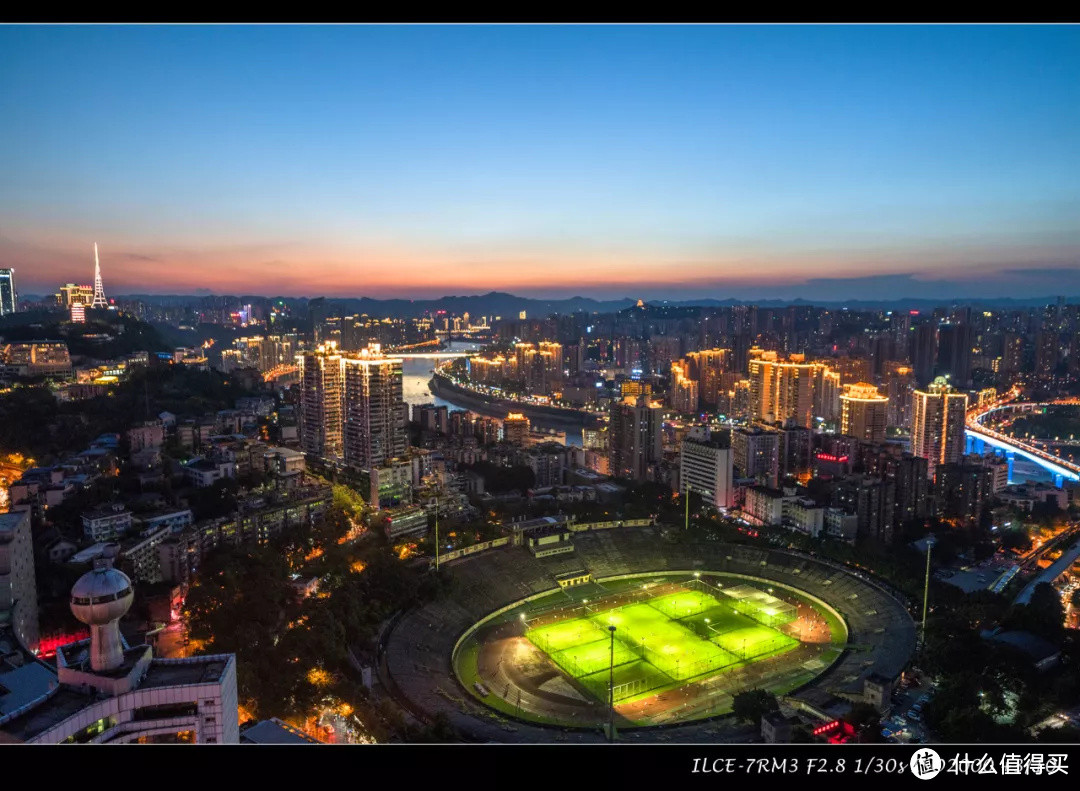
[866, 720]
[1043, 615]
[752, 705]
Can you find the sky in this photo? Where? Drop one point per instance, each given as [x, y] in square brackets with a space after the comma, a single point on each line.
[823, 162]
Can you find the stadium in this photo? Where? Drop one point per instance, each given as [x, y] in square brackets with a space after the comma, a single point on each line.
[654, 633]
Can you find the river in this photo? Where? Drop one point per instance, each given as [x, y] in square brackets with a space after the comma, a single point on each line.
[416, 373]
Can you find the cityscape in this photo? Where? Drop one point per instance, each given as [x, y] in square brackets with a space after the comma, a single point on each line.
[546, 404]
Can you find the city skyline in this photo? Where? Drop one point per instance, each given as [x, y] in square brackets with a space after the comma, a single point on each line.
[673, 162]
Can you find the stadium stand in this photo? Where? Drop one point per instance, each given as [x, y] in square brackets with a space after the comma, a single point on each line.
[418, 652]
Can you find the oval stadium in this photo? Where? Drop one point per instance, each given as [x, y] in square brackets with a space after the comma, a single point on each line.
[538, 642]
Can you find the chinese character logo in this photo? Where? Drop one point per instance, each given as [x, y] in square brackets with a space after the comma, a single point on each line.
[926, 763]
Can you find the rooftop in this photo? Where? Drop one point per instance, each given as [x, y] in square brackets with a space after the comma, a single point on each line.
[274, 731]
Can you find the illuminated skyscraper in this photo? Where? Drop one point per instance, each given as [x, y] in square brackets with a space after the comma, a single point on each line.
[374, 408]
[99, 300]
[320, 408]
[937, 424]
[863, 412]
[791, 390]
[9, 297]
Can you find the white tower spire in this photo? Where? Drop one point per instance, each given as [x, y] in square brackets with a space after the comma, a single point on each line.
[99, 289]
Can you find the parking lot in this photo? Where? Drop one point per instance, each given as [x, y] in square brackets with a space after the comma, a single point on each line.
[904, 723]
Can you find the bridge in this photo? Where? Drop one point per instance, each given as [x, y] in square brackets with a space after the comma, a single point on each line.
[430, 355]
[979, 434]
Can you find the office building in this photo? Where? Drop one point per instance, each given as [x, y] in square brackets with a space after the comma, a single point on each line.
[9, 297]
[705, 468]
[937, 425]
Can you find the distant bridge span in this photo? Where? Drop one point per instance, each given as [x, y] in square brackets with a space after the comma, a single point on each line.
[1048, 461]
[431, 355]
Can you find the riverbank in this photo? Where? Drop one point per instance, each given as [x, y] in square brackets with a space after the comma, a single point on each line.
[444, 388]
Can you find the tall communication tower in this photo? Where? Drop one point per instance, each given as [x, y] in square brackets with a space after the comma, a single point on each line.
[99, 289]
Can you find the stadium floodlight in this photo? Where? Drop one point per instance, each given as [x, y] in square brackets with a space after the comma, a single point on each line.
[611, 689]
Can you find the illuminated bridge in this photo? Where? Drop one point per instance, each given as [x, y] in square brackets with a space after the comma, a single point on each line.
[979, 435]
[430, 355]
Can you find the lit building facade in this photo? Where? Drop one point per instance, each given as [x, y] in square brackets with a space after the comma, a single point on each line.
[374, 430]
[321, 408]
[9, 297]
[705, 468]
[937, 424]
[863, 412]
[103, 691]
[791, 390]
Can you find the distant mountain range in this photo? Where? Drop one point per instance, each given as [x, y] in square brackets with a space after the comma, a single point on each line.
[497, 303]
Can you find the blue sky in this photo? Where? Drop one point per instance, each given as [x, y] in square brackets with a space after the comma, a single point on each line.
[667, 161]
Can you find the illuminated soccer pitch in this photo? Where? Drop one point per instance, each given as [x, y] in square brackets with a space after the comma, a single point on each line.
[659, 642]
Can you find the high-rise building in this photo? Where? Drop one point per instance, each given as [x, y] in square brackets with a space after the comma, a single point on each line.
[755, 452]
[321, 407]
[908, 474]
[899, 383]
[1012, 353]
[99, 300]
[791, 390]
[374, 408]
[1047, 353]
[78, 313]
[923, 352]
[515, 428]
[863, 412]
[705, 468]
[963, 490]
[872, 500]
[955, 342]
[635, 440]
[707, 367]
[18, 587]
[9, 297]
[937, 424]
[683, 392]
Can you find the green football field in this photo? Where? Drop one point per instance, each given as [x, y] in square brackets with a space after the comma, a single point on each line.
[674, 637]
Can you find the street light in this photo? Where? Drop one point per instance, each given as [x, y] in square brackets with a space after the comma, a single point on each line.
[611, 688]
[436, 533]
[930, 541]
